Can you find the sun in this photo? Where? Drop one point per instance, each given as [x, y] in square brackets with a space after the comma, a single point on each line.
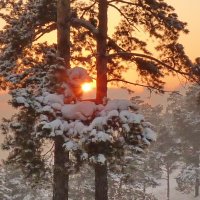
[86, 87]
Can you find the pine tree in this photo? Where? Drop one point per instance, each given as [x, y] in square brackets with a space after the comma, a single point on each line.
[15, 187]
[169, 153]
[164, 26]
[185, 111]
[25, 150]
[33, 72]
[166, 152]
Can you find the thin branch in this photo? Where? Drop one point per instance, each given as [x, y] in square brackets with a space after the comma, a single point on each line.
[84, 58]
[148, 57]
[47, 29]
[120, 51]
[123, 15]
[87, 8]
[75, 22]
[122, 1]
[86, 24]
[50, 150]
[115, 45]
[141, 85]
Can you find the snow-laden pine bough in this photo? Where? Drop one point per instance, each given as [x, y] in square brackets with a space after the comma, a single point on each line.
[93, 132]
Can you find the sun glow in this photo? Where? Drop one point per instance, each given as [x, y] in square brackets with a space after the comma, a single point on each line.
[86, 87]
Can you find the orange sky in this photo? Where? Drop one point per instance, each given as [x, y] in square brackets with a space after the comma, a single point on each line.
[188, 11]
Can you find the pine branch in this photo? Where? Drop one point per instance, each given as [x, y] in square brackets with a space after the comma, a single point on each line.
[42, 32]
[122, 1]
[75, 22]
[87, 8]
[120, 51]
[141, 85]
[86, 24]
[123, 54]
[123, 15]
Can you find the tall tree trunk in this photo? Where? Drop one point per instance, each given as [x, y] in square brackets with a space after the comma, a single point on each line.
[101, 182]
[168, 183]
[101, 62]
[61, 158]
[197, 181]
[61, 177]
[63, 30]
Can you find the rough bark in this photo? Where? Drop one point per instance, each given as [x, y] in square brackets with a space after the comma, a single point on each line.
[61, 158]
[60, 179]
[101, 182]
[63, 30]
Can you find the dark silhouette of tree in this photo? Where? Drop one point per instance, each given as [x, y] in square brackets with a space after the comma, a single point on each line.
[101, 183]
[61, 158]
[25, 150]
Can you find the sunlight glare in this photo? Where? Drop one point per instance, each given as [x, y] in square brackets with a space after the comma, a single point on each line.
[86, 87]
